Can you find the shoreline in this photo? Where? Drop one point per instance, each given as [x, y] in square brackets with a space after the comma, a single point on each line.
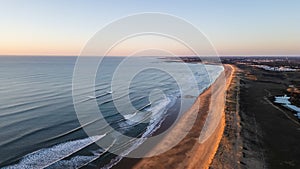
[259, 133]
[229, 152]
[211, 145]
[189, 152]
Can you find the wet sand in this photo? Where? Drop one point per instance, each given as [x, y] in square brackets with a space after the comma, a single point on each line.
[192, 152]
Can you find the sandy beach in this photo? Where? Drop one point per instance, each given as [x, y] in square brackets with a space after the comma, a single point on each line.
[192, 152]
[262, 136]
[229, 152]
[150, 85]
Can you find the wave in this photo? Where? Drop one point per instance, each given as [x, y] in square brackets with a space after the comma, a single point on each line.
[96, 156]
[46, 157]
[96, 97]
[130, 116]
[74, 162]
[109, 92]
[80, 161]
[75, 129]
[158, 116]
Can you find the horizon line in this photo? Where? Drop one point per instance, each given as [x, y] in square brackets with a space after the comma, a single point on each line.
[152, 56]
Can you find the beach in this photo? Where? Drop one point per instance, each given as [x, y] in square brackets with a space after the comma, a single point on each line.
[190, 153]
[41, 125]
[262, 136]
[229, 151]
[150, 85]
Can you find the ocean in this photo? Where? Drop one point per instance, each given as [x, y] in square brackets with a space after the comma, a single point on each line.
[39, 127]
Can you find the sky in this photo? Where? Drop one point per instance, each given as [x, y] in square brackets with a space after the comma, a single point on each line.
[55, 27]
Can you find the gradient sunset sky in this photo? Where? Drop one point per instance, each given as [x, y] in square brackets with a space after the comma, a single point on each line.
[56, 27]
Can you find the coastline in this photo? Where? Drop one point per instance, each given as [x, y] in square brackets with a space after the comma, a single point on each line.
[262, 136]
[229, 152]
[189, 152]
[210, 146]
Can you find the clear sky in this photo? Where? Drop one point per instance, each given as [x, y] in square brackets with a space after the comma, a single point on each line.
[240, 27]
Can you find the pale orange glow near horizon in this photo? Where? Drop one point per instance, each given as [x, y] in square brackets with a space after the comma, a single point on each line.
[234, 28]
[41, 47]
[66, 48]
[75, 51]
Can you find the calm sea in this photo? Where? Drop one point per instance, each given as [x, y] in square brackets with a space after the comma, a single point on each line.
[39, 127]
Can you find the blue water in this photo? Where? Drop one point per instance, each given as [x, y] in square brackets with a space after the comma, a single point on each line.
[38, 123]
